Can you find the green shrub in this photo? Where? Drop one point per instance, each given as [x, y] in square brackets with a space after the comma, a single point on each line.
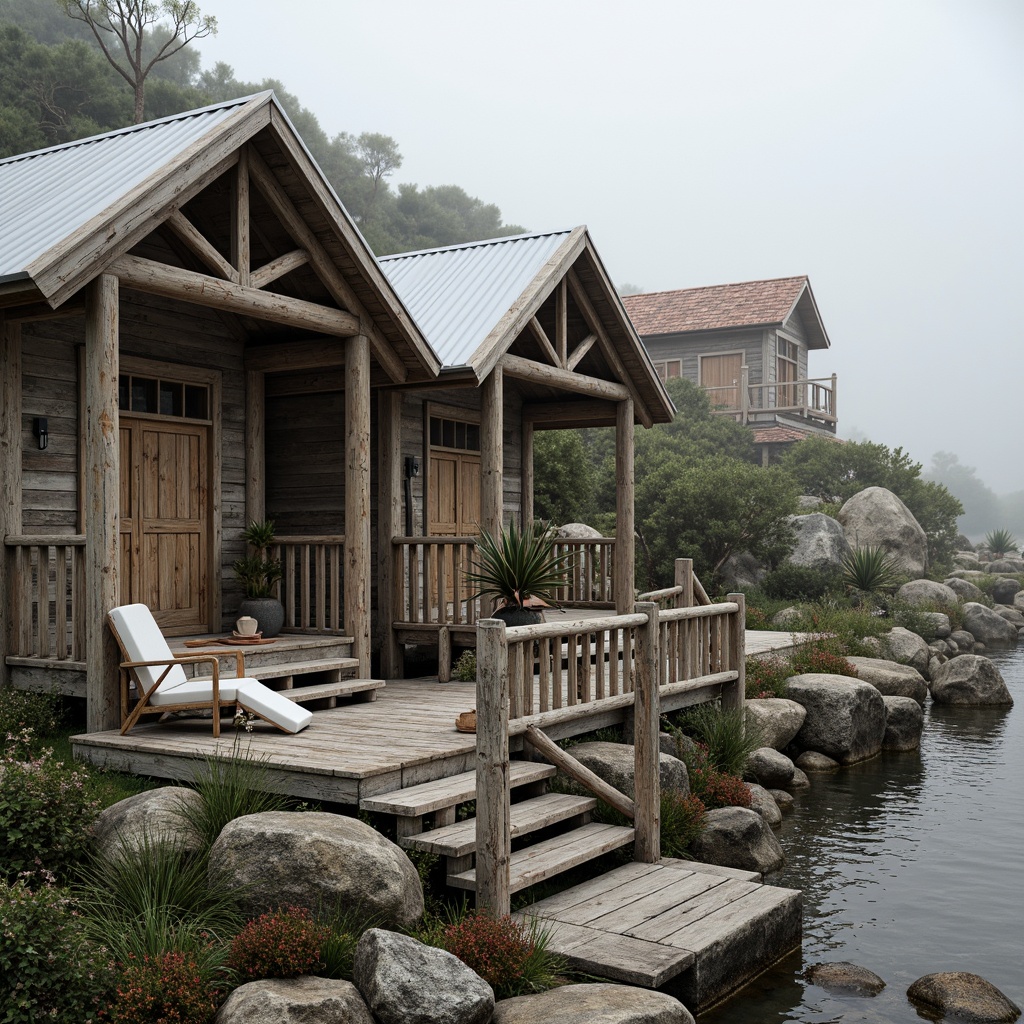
[713, 787]
[791, 582]
[45, 813]
[279, 944]
[464, 670]
[165, 988]
[727, 737]
[682, 821]
[342, 928]
[42, 713]
[512, 957]
[766, 677]
[49, 970]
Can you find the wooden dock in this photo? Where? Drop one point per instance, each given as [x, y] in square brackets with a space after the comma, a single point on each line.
[695, 930]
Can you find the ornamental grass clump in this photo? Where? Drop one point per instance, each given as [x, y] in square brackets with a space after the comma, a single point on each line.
[871, 570]
[510, 956]
[727, 737]
[49, 969]
[283, 943]
[167, 988]
[682, 821]
[1000, 542]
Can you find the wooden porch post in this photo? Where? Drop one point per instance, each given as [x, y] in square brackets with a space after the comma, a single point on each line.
[255, 447]
[527, 472]
[625, 530]
[102, 494]
[734, 694]
[493, 811]
[646, 719]
[491, 452]
[684, 579]
[10, 472]
[389, 526]
[357, 497]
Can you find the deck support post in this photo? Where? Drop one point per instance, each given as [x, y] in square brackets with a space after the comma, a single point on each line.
[10, 473]
[734, 694]
[625, 554]
[493, 813]
[491, 451]
[357, 498]
[528, 477]
[646, 749]
[102, 501]
[389, 526]
[684, 579]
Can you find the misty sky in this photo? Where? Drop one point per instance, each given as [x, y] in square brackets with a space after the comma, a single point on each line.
[876, 146]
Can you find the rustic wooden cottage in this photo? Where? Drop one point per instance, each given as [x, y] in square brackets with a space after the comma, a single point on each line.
[747, 344]
[152, 281]
[195, 335]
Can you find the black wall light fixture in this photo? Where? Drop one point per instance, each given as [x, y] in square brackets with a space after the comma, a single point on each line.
[412, 468]
[41, 432]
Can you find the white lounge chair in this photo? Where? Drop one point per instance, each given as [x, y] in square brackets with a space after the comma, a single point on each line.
[162, 686]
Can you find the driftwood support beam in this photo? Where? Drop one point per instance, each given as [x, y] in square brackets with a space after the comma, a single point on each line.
[493, 804]
[200, 247]
[357, 499]
[565, 380]
[278, 268]
[576, 771]
[10, 473]
[188, 286]
[646, 748]
[543, 340]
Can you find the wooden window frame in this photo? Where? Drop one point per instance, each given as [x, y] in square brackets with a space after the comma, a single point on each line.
[661, 368]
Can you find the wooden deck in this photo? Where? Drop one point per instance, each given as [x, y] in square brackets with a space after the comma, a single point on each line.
[697, 930]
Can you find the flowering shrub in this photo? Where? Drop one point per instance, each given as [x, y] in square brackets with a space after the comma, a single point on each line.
[165, 989]
[511, 957]
[766, 677]
[48, 969]
[819, 658]
[45, 814]
[25, 717]
[280, 944]
[715, 788]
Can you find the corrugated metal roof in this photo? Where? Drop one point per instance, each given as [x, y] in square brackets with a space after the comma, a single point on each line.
[47, 195]
[458, 294]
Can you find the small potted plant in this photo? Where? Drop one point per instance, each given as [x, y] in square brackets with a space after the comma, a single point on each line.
[259, 573]
[519, 569]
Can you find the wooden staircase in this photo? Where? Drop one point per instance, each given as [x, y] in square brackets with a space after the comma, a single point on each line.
[533, 809]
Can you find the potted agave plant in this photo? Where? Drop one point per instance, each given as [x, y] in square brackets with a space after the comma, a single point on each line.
[519, 569]
[259, 573]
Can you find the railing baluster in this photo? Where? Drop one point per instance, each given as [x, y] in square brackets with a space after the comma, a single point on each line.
[61, 607]
[544, 657]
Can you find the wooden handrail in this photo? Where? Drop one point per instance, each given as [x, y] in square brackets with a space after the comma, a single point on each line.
[42, 540]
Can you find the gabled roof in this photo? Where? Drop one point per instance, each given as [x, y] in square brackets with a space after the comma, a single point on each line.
[473, 300]
[718, 307]
[69, 211]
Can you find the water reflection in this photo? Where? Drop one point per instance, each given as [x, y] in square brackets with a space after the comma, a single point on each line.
[909, 864]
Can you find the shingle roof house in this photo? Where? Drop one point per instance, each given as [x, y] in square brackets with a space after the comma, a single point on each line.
[748, 345]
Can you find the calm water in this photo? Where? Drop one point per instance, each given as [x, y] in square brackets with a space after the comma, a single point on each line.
[910, 864]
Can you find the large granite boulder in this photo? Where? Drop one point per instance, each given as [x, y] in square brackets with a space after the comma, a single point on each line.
[614, 762]
[306, 859]
[970, 680]
[934, 625]
[965, 590]
[1004, 591]
[770, 768]
[788, 618]
[845, 717]
[764, 803]
[1012, 615]
[1018, 600]
[578, 531]
[156, 817]
[735, 837]
[1005, 564]
[923, 593]
[593, 1004]
[907, 648]
[964, 997]
[406, 982]
[904, 722]
[843, 978]
[875, 517]
[986, 625]
[742, 571]
[776, 719]
[677, 744]
[819, 541]
[816, 762]
[890, 678]
[964, 641]
[295, 1001]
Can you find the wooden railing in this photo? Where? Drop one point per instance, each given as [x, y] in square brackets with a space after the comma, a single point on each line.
[812, 398]
[312, 587]
[532, 678]
[47, 597]
[430, 573]
[590, 573]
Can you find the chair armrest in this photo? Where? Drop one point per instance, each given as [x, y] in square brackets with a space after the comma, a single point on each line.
[239, 657]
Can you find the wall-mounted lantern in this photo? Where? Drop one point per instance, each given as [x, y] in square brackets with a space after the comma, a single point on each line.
[41, 432]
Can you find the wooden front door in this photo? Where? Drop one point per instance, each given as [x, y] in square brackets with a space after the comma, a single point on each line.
[723, 373]
[165, 520]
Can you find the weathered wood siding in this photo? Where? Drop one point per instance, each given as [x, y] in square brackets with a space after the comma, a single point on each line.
[690, 347]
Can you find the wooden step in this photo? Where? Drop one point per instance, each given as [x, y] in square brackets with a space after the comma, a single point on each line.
[343, 688]
[456, 789]
[531, 815]
[302, 668]
[553, 856]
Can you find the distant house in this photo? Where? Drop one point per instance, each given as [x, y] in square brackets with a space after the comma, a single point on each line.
[747, 344]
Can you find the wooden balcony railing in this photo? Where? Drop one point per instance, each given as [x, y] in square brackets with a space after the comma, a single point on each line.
[47, 597]
[588, 582]
[809, 399]
[430, 573]
[312, 587]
